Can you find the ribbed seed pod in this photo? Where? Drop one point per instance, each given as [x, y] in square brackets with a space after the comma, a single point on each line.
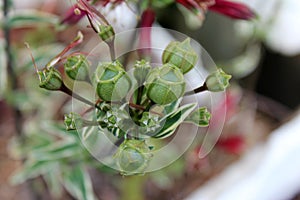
[77, 67]
[165, 84]
[133, 156]
[106, 33]
[50, 79]
[180, 54]
[111, 81]
[217, 81]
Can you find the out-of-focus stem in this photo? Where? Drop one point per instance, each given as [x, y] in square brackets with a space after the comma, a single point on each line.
[12, 77]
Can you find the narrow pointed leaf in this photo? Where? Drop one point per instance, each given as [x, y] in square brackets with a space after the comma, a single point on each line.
[78, 183]
[173, 120]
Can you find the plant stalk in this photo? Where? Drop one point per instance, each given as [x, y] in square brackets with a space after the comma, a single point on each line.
[12, 77]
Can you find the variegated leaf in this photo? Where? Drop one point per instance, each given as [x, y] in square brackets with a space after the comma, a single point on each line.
[173, 120]
[78, 183]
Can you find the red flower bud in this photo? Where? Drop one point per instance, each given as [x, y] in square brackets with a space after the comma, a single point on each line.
[73, 15]
[147, 20]
[234, 10]
[231, 9]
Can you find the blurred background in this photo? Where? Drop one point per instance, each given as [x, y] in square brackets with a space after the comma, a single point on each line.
[263, 55]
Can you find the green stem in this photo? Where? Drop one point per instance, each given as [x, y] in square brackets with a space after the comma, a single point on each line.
[112, 51]
[197, 90]
[132, 188]
[66, 90]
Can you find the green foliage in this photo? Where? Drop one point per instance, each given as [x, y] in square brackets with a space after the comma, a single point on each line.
[61, 162]
[78, 182]
[29, 18]
[173, 120]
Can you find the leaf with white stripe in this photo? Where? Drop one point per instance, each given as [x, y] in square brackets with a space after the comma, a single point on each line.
[78, 183]
[171, 121]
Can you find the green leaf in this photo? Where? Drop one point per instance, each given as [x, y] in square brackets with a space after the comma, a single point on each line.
[52, 180]
[78, 183]
[24, 18]
[172, 106]
[59, 130]
[200, 117]
[173, 120]
[57, 150]
[32, 169]
[21, 148]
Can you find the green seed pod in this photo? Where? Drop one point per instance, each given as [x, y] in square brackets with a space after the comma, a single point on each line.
[180, 54]
[50, 79]
[217, 81]
[106, 33]
[132, 156]
[77, 67]
[141, 70]
[111, 81]
[165, 84]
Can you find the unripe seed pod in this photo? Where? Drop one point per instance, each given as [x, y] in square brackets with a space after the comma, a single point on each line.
[77, 67]
[165, 84]
[111, 81]
[132, 156]
[217, 81]
[106, 33]
[50, 79]
[180, 54]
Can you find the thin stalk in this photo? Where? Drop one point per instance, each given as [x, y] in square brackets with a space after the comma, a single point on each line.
[197, 90]
[111, 45]
[66, 90]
